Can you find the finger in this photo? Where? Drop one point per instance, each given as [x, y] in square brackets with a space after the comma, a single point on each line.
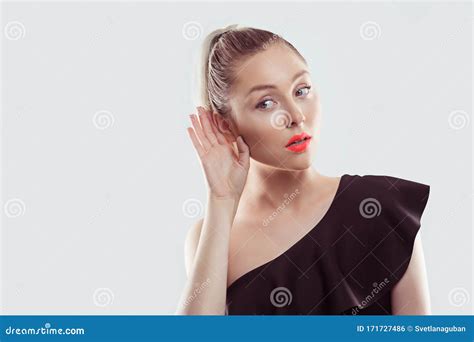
[206, 125]
[195, 141]
[220, 138]
[243, 150]
[198, 130]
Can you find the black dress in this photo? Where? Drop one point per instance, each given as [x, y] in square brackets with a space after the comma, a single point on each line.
[348, 263]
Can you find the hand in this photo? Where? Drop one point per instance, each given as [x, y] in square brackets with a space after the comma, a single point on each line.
[225, 168]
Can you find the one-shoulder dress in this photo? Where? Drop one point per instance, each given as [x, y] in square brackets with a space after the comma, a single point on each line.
[349, 262]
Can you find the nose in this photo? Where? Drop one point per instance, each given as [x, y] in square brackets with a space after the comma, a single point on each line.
[297, 118]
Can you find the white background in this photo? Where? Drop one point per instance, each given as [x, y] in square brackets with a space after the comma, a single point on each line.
[92, 210]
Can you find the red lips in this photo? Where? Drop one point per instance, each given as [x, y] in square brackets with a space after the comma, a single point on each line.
[297, 137]
[298, 142]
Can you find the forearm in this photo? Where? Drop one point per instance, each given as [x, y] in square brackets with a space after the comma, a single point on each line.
[206, 287]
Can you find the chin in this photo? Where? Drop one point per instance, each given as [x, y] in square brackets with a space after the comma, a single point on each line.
[299, 165]
[292, 162]
[298, 162]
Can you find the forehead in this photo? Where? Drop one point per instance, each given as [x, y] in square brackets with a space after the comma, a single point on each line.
[275, 65]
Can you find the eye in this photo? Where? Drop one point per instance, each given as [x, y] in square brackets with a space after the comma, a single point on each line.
[303, 91]
[264, 104]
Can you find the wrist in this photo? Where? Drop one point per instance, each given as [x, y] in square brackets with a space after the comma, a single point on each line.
[223, 199]
[219, 197]
[230, 201]
[223, 206]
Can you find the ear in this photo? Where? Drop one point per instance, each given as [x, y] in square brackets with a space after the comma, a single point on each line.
[225, 126]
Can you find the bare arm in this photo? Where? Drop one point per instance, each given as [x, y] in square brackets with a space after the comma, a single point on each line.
[206, 257]
[207, 243]
[411, 296]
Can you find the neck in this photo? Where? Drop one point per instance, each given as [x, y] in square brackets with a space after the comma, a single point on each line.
[267, 187]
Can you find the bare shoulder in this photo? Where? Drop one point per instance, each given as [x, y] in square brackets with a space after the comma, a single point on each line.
[191, 243]
[411, 296]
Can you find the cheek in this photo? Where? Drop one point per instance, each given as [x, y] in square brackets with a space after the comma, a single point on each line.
[257, 128]
[311, 110]
[253, 130]
[312, 105]
[259, 134]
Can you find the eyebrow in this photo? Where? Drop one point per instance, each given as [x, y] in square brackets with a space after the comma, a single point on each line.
[271, 86]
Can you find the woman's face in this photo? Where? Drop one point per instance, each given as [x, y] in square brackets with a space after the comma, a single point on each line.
[272, 100]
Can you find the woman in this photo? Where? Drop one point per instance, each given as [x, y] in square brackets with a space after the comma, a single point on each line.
[278, 237]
